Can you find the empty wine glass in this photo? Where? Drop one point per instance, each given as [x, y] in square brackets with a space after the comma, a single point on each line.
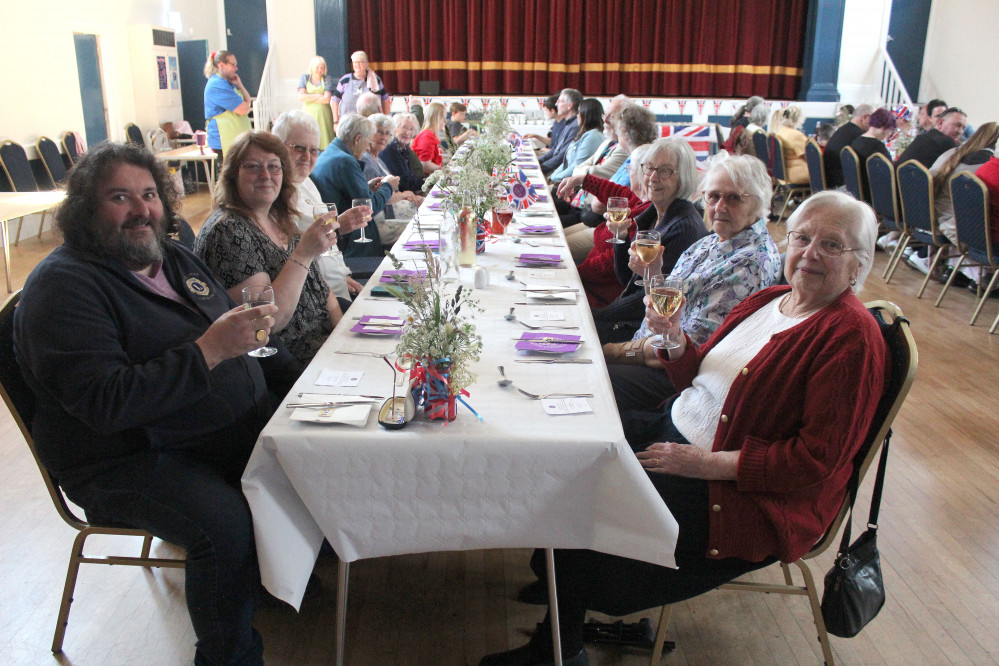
[367, 218]
[666, 294]
[253, 297]
[618, 211]
[646, 247]
[320, 209]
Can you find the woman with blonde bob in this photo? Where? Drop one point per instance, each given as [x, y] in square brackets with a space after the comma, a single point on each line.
[315, 90]
[427, 143]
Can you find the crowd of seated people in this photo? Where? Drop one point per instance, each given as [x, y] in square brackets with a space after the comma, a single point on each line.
[747, 346]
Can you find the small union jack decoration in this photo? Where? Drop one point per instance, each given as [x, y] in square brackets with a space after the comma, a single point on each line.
[427, 101]
[646, 103]
[520, 191]
[717, 104]
[682, 103]
[700, 106]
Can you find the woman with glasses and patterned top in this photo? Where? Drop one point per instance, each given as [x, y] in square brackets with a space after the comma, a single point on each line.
[251, 239]
[738, 258]
[301, 135]
[753, 456]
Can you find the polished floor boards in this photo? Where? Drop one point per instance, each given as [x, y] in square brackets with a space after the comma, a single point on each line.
[939, 542]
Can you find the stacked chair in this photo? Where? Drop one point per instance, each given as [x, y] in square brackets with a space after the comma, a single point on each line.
[971, 215]
[70, 146]
[52, 160]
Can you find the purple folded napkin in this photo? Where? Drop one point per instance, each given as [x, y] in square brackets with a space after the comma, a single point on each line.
[401, 275]
[434, 206]
[380, 329]
[540, 259]
[420, 244]
[538, 229]
[548, 342]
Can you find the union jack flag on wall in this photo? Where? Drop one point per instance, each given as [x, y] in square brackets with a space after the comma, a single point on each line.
[698, 136]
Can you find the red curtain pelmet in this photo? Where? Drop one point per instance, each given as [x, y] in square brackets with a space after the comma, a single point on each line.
[656, 48]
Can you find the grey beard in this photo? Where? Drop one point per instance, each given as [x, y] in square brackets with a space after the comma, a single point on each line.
[136, 256]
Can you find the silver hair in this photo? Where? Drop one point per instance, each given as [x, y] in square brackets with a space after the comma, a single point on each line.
[686, 163]
[381, 120]
[296, 119]
[638, 157]
[861, 228]
[753, 102]
[369, 104]
[760, 115]
[400, 118]
[749, 175]
[352, 126]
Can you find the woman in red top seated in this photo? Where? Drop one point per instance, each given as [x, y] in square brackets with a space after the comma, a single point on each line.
[427, 144]
[753, 456]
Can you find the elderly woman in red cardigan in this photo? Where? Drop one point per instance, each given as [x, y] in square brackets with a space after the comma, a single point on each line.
[753, 455]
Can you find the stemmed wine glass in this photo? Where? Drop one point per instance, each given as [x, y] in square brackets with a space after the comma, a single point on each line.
[367, 218]
[253, 297]
[666, 294]
[320, 209]
[618, 211]
[503, 214]
[646, 247]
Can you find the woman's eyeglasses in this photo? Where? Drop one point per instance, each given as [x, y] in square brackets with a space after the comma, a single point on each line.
[273, 168]
[662, 171]
[301, 150]
[732, 199]
[825, 246]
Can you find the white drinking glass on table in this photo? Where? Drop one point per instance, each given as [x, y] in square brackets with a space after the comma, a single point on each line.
[253, 297]
[617, 211]
[367, 218]
[318, 211]
[646, 247]
[666, 294]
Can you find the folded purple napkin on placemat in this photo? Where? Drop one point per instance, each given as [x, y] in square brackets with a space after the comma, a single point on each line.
[548, 342]
[376, 325]
[540, 259]
[420, 244]
[401, 275]
[537, 229]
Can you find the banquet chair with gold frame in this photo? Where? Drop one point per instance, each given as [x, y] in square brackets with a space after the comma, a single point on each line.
[816, 167]
[904, 360]
[884, 201]
[52, 160]
[762, 147]
[971, 217]
[851, 173]
[797, 191]
[15, 165]
[915, 185]
[21, 401]
[134, 136]
[71, 147]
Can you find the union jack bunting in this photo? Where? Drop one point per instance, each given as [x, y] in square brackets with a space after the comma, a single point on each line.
[700, 106]
[646, 103]
[698, 136]
[520, 191]
[427, 101]
[682, 103]
[717, 104]
[541, 102]
[503, 101]
[466, 100]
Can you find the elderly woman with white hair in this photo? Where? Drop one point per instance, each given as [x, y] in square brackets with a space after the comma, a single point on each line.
[340, 180]
[353, 84]
[399, 157]
[754, 455]
[669, 175]
[402, 204]
[315, 90]
[788, 127]
[300, 133]
[738, 258]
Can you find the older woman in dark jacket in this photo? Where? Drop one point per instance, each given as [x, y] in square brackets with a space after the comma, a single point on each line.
[398, 156]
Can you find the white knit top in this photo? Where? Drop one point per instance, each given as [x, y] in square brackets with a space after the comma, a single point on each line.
[697, 410]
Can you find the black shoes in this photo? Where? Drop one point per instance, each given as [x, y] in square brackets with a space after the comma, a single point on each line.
[526, 655]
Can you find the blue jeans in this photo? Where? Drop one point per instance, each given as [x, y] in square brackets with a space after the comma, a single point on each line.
[197, 505]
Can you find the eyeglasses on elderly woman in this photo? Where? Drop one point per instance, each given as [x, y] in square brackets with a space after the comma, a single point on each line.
[300, 149]
[732, 199]
[826, 246]
[662, 171]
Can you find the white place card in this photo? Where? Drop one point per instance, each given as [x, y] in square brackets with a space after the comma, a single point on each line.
[539, 274]
[339, 377]
[547, 315]
[559, 406]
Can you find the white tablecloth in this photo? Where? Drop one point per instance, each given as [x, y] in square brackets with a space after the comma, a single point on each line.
[517, 478]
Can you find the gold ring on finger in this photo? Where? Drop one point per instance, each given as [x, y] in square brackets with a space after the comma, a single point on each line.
[261, 335]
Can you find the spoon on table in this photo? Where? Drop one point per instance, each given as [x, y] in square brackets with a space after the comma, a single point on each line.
[511, 316]
[510, 276]
[503, 382]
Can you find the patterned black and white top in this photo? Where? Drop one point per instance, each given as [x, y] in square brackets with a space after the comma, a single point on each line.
[235, 249]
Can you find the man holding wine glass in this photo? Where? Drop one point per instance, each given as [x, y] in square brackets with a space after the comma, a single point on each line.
[147, 405]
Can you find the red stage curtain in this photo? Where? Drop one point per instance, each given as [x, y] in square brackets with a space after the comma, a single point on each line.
[679, 48]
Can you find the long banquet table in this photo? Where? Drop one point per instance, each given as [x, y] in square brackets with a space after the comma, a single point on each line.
[516, 478]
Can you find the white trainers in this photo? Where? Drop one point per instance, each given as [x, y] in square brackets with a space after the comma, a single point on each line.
[921, 264]
[882, 242]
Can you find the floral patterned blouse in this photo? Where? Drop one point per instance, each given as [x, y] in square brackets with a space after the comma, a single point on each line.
[235, 248]
[717, 275]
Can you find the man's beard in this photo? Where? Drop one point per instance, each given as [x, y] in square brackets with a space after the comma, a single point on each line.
[135, 254]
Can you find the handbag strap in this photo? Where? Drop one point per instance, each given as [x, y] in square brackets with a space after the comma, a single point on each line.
[879, 481]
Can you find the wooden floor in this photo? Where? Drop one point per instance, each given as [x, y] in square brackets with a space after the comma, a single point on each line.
[939, 542]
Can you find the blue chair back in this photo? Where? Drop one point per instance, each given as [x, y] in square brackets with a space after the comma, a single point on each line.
[15, 165]
[762, 149]
[69, 146]
[816, 167]
[884, 192]
[971, 215]
[777, 157]
[134, 135]
[851, 172]
[915, 185]
[52, 159]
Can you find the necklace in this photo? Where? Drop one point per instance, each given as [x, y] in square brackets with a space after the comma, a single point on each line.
[783, 302]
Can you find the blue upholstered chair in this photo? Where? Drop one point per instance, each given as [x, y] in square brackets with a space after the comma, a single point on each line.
[971, 217]
[816, 167]
[790, 191]
[14, 162]
[884, 200]
[851, 172]
[915, 184]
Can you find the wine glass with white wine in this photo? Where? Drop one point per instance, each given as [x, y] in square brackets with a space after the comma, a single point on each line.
[647, 248]
[367, 218]
[666, 294]
[253, 297]
[318, 211]
[617, 211]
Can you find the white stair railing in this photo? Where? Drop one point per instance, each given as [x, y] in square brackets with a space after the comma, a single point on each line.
[892, 90]
[263, 106]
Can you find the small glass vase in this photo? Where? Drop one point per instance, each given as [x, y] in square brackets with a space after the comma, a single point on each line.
[438, 404]
[449, 248]
[467, 237]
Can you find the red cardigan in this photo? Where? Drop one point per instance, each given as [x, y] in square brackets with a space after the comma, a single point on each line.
[427, 145]
[797, 413]
[597, 270]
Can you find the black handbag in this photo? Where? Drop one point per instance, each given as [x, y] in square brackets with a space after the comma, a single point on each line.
[854, 588]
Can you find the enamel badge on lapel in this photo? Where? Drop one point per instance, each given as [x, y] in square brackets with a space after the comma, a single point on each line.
[198, 287]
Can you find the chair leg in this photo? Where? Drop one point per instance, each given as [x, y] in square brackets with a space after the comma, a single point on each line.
[41, 224]
[985, 297]
[67, 592]
[787, 573]
[896, 258]
[17, 236]
[995, 322]
[929, 273]
[820, 624]
[147, 543]
[657, 649]
[950, 279]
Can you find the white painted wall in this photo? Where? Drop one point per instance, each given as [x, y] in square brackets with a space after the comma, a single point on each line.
[865, 23]
[956, 67]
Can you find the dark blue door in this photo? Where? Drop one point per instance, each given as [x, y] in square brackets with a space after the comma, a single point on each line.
[246, 37]
[907, 40]
[88, 67]
[191, 58]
